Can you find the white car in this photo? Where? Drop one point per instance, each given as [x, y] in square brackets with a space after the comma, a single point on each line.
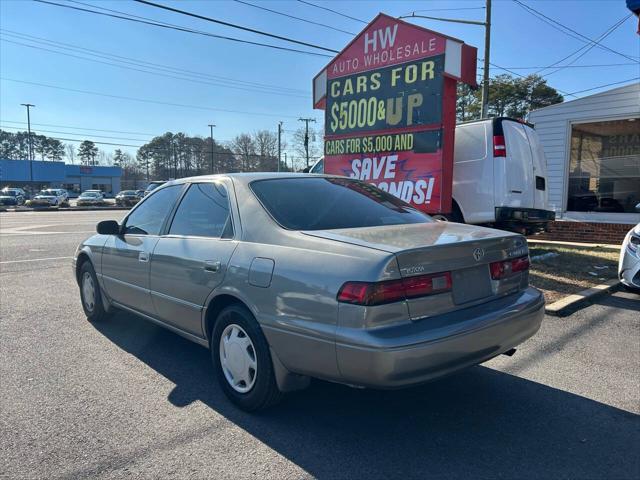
[629, 265]
[50, 197]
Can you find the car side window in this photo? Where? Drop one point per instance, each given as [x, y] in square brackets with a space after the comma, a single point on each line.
[203, 212]
[147, 219]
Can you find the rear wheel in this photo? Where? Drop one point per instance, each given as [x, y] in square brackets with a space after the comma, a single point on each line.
[90, 294]
[241, 358]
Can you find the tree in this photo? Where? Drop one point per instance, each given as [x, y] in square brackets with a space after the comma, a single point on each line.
[70, 152]
[245, 151]
[55, 150]
[508, 96]
[118, 157]
[88, 152]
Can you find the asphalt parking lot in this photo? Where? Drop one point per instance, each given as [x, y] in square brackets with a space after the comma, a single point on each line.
[129, 399]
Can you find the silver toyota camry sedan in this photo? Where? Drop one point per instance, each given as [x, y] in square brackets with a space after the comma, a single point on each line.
[290, 276]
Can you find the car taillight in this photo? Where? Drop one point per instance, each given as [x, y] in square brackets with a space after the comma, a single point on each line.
[499, 147]
[506, 268]
[378, 293]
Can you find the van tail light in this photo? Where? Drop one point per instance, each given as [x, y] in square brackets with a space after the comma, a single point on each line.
[507, 268]
[499, 147]
[378, 293]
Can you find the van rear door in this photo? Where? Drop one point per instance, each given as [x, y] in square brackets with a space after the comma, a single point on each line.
[514, 177]
[539, 161]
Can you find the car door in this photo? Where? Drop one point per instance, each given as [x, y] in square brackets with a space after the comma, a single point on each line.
[192, 258]
[125, 258]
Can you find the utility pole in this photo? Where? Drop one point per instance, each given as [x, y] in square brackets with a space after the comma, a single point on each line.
[306, 135]
[211, 125]
[487, 48]
[285, 161]
[487, 51]
[29, 105]
[279, 144]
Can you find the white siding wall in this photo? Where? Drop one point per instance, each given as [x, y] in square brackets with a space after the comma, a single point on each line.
[553, 125]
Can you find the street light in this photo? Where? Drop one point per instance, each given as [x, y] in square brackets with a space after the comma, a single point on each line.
[29, 105]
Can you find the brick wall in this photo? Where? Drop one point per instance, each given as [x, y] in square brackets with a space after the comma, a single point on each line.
[587, 232]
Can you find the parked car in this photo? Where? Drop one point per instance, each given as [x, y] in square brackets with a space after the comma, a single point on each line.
[153, 185]
[140, 193]
[629, 264]
[127, 198]
[90, 198]
[499, 176]
[11, 196]
[290, 276]
[49, 197]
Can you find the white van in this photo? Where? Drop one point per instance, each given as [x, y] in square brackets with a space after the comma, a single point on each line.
[499, 176]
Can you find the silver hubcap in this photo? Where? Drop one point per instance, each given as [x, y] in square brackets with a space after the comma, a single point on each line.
[238, 358]
[88, 291]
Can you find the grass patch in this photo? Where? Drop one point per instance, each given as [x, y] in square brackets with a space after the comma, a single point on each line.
[562, 271]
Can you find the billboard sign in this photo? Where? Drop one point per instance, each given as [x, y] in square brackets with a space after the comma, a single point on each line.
[389, 100]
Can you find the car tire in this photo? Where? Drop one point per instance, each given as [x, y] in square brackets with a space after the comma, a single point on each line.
[90, 294]
[236, 323]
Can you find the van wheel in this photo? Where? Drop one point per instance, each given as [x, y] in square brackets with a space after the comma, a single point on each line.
[454, 216]
[241, 359]
[90, 294]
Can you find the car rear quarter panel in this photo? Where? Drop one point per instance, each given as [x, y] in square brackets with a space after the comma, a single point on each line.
[298, 310]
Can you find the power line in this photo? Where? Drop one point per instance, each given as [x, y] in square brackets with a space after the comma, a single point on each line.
[294, 17]
[204, 82]
[233, 25]
[79, 134]
[145, 100]
[606, 85]
[572, 66]
[588, 48]
[333, 11]
[447, 9]
[138, 62]
[81, 128]
[582, 37]
[182, 29]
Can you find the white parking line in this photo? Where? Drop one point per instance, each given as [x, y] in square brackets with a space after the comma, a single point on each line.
[34, 260]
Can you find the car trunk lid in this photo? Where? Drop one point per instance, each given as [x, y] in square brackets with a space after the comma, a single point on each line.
[420, 249]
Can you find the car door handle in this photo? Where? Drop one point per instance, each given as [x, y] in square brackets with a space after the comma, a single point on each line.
[143, 257]
[211, 266]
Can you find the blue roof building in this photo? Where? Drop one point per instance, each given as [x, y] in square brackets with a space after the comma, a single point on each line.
[74, 178]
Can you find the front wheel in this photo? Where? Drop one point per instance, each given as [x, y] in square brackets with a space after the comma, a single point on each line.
[90, 294]
[241, 359]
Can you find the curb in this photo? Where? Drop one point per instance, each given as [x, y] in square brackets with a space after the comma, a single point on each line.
[67, 209]
[571, 303]
[574, 244]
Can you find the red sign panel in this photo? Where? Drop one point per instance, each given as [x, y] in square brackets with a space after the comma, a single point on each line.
[390, 110]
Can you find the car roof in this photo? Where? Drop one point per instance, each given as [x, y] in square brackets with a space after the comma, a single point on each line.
[245, 177]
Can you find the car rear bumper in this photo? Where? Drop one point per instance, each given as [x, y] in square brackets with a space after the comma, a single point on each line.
[420, 351]
[524, 215]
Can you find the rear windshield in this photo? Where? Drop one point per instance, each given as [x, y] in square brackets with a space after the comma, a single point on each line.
[328, 203]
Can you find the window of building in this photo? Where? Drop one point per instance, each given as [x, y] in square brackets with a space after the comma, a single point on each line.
[604, 167]
[103, 187]
[203, 212]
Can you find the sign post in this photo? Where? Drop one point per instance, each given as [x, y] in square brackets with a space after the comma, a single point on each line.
[390, 99]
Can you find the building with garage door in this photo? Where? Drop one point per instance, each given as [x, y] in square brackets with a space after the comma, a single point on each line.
[36, 175]
[592, 146]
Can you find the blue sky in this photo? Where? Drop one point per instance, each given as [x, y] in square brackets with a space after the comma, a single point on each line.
[518, 40]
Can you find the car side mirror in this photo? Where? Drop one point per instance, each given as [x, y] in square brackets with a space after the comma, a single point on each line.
[108, 227]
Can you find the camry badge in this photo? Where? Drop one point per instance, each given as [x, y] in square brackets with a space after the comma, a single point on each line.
[478, 254]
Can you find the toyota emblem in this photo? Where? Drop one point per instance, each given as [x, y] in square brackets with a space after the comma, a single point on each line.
[478, 254]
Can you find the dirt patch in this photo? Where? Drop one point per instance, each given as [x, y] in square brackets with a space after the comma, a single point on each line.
[562, 271]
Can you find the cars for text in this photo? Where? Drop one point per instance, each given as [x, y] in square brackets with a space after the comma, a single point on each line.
[292, 276]
[629, 264]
